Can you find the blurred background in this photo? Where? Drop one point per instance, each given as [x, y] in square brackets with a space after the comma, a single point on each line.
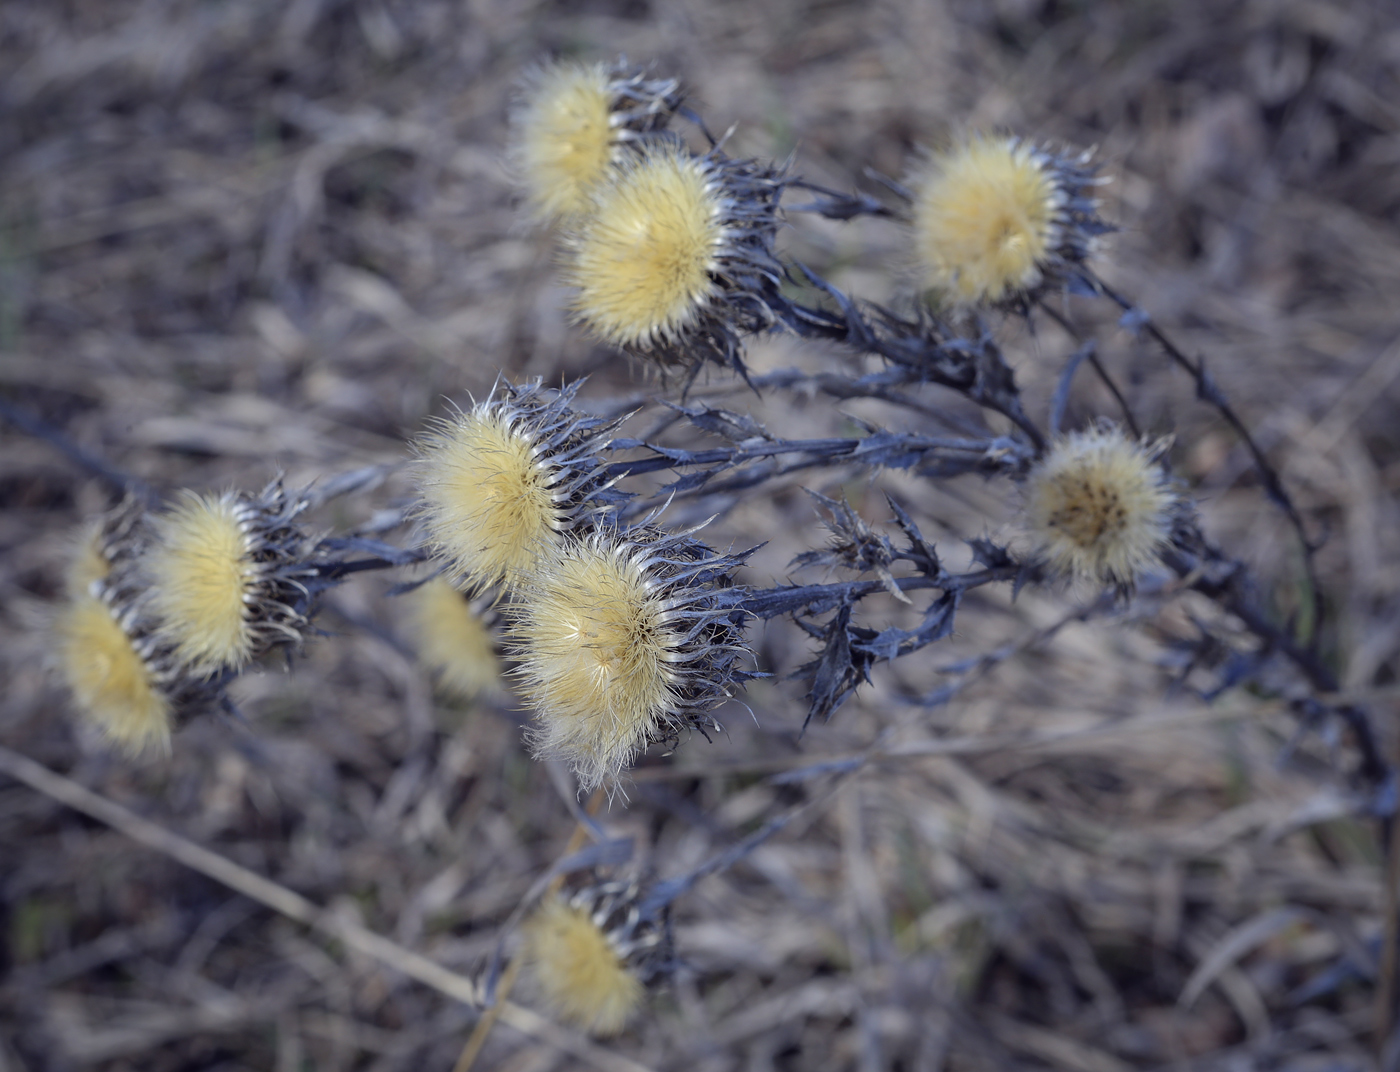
[244, 238]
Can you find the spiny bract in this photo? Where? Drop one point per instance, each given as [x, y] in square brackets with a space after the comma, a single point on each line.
[993, 217]
[115, 687]
[1099, 506]
[204, 581]
[581, 977]
[642, 261]
[453, 640]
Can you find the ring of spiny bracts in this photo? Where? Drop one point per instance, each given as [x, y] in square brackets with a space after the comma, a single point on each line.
[1000, 219]
[504, 481]
[229, 576]
[575, 122]
[675, 263]
[624, 638]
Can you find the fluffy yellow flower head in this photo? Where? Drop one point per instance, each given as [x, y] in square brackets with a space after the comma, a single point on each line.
[204, 581]
[643, 260]
[453, 640]
[597, 644]
[574, 123]
[675, 261]
[1099, 506]
[579, 973]
[622, 640]
[503, 480]
[994, 216]
[114, 684]
[565, 140]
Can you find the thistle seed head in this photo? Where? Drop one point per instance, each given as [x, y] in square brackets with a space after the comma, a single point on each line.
[502, 482]
[1100, 507]
[123, 676]
[996, 218]
[590, 956]
[675, 261]
[574, 122]
[114, 681]
[224, 572]
[454, 639]
[624, 638]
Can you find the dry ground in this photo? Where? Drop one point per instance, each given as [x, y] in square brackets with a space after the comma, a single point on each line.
[243, 237]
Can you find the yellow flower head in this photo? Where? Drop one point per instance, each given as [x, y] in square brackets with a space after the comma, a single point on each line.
[574, 123]
[1100, 507]
[454, 640]
[88, 563]
[223, 570]
[112, 676]
[623, 640]
[588, 956]
[994, 218]
[676, 257]
[503, 480]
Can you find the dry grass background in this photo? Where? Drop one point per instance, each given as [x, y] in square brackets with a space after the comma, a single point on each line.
[238, 237]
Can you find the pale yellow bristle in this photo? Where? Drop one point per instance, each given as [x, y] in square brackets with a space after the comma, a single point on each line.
[643, 258]
[578, 973]
[984, 219]
[565, 141]
[1099, 507]
[453, 640]
[203, 580]
[489, 508]
[114, 688]
[595, 649]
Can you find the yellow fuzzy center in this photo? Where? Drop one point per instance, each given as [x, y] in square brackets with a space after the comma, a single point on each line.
[566, 141]
[454, 641]
[984, 220]
[111, 683]
[579, 974]
[642, 261]
[204, 580]
[594, 650]
[490, 509]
